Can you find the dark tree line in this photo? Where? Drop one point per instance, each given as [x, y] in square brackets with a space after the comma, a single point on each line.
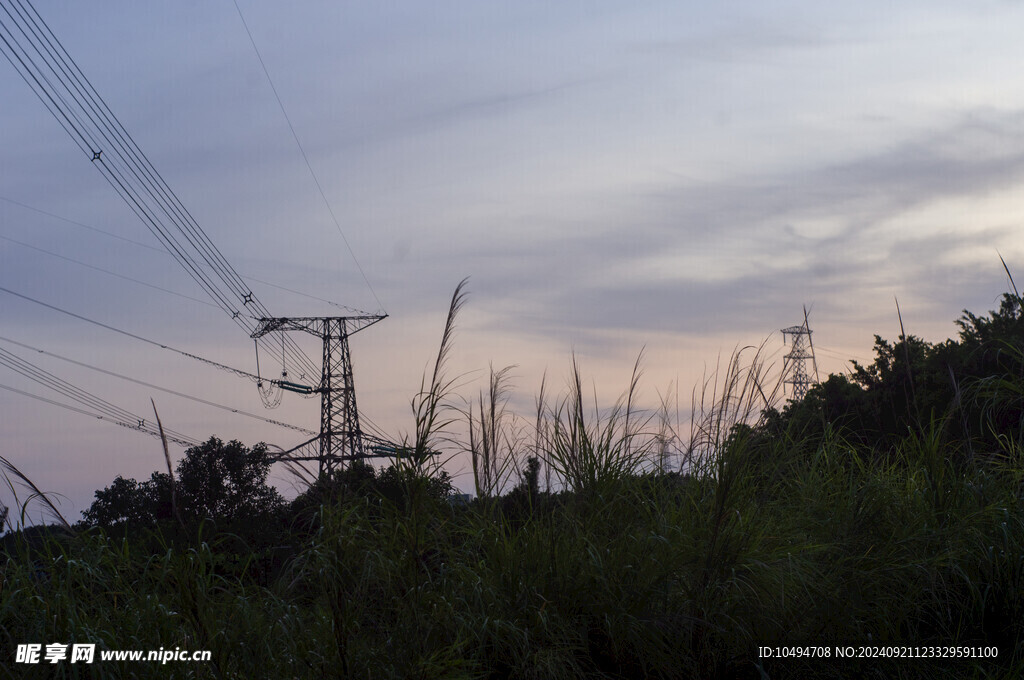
[215, 481]
[968, 386]
[226, 484]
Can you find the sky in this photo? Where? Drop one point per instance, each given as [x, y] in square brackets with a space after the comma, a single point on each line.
[673, 178]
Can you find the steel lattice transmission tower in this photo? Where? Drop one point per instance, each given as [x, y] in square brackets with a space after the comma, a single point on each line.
[796, 361]
[340, 437]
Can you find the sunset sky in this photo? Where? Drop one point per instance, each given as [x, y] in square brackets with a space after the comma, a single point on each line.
[677, 177]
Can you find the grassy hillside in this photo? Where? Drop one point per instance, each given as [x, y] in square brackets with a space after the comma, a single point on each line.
[783, 527]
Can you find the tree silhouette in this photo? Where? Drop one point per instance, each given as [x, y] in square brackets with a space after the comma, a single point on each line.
[214, 481]
[225, 482]
[970, 385]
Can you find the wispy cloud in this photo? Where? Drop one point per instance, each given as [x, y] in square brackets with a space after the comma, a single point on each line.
[731, 253]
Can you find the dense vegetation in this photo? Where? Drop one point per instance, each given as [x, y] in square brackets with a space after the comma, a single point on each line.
[884, 508]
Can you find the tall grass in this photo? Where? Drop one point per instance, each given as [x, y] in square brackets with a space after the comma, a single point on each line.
[621, 569]
[431, 410]
[15, 478]
[495, 441]
[591, 452]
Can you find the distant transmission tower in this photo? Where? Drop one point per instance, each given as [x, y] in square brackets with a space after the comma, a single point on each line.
[340, 438]
[796, 361]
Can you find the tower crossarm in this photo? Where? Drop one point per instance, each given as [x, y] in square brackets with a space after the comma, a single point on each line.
[315, 324]
[341, 438]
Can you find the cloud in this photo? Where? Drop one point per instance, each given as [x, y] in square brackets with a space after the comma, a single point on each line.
[728, 255]
[738, 39]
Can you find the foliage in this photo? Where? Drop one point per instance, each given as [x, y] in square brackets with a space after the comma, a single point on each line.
[14, 478]
[494, 438]
[430, 408]
[131, 502]
[591, 453]
[971, 384]
[397, 486]
[647, 583]
[226, 482]
[877, 511]
[214, 481]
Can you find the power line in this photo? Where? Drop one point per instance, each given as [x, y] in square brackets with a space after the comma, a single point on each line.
[69, 115]
[165, 253]
[237, 371]
[83, 225]
[373, 428]
[85, 116]
[101, 407]
[55, 403]
[106, 271]
[97, 416]
[157, 387]
[70, 97]
[305, 158]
